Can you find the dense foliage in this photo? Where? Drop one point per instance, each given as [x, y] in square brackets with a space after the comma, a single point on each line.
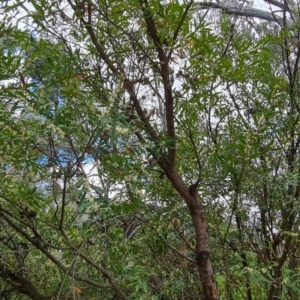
[149, 150]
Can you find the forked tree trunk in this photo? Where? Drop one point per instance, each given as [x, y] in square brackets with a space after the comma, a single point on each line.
[200, 225]
[190, 195]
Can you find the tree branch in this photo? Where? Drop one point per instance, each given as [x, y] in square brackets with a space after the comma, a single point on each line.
[164, 65]
[38, 244]
[185, 13]
[231, 9]
[21, 284]
[275, 3]
[128, 85]
[103, 271]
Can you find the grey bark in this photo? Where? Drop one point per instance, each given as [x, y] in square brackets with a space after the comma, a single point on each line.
[247, 11]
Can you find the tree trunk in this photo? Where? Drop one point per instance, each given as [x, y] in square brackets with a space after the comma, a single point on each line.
[275, 290]
[200, 225]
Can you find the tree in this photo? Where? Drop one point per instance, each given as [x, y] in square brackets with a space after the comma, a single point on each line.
[133, 139]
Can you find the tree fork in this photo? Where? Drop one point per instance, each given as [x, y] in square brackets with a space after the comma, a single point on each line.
[191, 197]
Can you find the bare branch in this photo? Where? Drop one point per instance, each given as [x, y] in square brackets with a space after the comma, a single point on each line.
[275, 3]
[231, 9]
